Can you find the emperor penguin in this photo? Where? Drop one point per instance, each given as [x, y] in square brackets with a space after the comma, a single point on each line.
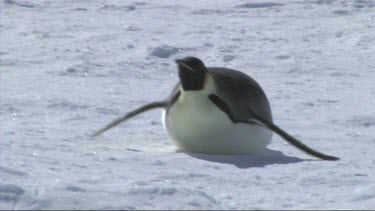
[215, 110]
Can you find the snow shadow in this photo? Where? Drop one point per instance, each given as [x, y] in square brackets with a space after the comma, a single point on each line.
[266, 157]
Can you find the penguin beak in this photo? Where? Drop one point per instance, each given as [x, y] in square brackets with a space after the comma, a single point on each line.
[182, 63]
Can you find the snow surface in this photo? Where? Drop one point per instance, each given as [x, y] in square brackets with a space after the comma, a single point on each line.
[67, 68]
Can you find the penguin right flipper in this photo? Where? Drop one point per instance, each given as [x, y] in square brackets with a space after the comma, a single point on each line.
[160, 104]
[293, 141]
[222, 105]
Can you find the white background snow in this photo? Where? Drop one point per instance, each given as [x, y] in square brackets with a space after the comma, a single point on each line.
[67, 68]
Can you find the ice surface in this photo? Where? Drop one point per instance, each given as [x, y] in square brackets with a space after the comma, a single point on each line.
[67, 68]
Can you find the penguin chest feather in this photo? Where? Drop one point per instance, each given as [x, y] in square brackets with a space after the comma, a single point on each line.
[196, 124]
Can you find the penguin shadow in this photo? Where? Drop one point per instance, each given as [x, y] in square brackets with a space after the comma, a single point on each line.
[264, 158]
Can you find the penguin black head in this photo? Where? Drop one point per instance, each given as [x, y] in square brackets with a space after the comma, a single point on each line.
[192, 73]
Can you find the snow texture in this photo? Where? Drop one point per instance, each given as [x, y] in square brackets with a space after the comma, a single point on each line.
[69, 67]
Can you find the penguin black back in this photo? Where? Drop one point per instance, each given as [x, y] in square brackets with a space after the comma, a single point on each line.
[241, 92]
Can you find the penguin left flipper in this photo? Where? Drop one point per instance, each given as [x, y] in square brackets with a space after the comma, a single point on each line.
[159, 104]
[220, 103]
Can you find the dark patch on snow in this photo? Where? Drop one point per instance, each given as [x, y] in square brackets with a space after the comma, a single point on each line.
[193, 49]
[294, 70]
[323, 1]
[133, 150]
[164, 51]
[83, 69]
[112, 159]
[80, 9]
[341, 12]
[327, 101]
[133, 28]
[228, 58]
[75, 189]
[337, 74]
[259, 5]
[207, 11]
[140, 3]
[74, 71]
[71, 70]
[310, 104]
[359, 4]
[10, 192]
[283, 57]
[118, 7]
[362, 121]
[212, 12]
[208, 45]
[12, 171]
[66, 105]
[153, 122]
[339, 34]
[77, 117]
[8, 108]
[24, 4]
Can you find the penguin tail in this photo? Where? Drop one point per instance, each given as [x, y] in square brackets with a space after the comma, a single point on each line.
[153, 105]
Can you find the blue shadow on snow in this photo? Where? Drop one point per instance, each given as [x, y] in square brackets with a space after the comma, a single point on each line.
[266, 157]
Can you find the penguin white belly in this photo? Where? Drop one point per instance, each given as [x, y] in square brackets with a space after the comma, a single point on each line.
[195, 124]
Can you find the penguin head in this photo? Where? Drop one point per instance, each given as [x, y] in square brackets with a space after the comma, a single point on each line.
[192, 73]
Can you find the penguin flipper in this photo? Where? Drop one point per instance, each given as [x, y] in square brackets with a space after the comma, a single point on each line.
[293, 141]
[222, 105]
[159, 104]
